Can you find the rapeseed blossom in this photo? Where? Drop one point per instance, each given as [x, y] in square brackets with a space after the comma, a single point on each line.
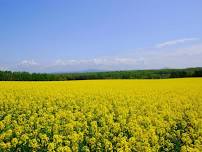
[101, 115]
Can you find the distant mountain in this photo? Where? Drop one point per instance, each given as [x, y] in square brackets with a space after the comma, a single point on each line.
[80, 71]
[93, 70]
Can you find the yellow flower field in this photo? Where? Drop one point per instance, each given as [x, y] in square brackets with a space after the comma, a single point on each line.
[102, 115]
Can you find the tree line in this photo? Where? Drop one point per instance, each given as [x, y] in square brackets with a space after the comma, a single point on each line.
[130, 74]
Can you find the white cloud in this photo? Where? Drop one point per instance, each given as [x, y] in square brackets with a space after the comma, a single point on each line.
[175, 42]
[152, 58]
[189, 56]
[97, 61]
[147, 58]
[28, 63]
[102, 63]
[3, 68]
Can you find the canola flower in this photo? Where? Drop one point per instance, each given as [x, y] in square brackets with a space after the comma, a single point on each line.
[102, 115]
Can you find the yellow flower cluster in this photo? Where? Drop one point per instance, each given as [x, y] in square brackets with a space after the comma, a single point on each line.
[102, 115]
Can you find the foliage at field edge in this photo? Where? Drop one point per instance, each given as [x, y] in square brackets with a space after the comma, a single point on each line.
[133, 74]
[104, 115]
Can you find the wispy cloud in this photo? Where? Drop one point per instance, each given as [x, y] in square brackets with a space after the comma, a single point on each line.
[175, 42]
[104, 63]
[181, 57]
[3, 68]
[148, 58]
[97, 61]
[28, 63]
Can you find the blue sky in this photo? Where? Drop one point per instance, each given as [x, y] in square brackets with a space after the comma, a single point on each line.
[67, 35]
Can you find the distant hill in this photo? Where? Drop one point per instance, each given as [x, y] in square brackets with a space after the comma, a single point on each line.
[129, 74]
